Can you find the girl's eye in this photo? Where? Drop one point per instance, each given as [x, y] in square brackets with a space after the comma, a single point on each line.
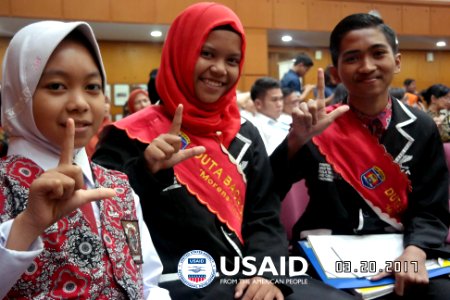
[94, 87]
[206, 53]
[234, 61]
[55, 86]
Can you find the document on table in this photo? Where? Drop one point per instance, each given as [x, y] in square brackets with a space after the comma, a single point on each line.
[352, 256]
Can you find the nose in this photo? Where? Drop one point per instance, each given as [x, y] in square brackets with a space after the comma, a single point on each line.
[77, 102]
[219, 67]
[367, 65]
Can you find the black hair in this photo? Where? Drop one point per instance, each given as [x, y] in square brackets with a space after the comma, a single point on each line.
[340, 94]
[397, 92]
[436, 90]
[261, 86]
[355, 22]
[151, 87]
[408, 81]
[287, 91]
[304, 59]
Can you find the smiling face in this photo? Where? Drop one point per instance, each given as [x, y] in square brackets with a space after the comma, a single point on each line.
[141, 101]
[217, 68]
[366, 65]
[70, 87]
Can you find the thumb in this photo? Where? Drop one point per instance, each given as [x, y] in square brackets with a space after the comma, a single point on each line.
[333, 115]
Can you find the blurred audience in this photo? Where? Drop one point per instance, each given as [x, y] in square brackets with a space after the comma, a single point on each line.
[437, 98]
[138, 100]
[151, 87]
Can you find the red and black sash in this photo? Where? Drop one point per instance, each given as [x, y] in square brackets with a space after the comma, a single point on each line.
[364, 163]
[213, 177]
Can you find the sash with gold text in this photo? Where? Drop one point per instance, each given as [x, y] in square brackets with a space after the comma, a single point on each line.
[364, 163]
[213, 177]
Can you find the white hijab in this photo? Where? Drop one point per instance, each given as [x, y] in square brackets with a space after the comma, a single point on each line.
[23, 64]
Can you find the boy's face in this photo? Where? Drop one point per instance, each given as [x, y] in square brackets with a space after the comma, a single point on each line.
[366, 64]
[70, 87]
[272, 103]
[217, 68]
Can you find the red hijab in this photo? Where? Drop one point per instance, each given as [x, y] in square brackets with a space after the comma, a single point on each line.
[132, 98]
[175, 82]
[214, 177]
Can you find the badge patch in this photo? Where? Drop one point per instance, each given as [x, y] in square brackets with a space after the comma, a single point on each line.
[197, 269]
[373, 177]
[185, 140]
[131, 229]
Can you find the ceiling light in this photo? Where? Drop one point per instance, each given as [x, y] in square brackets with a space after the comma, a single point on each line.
[156, 33]
[441, 44]
[286, 38]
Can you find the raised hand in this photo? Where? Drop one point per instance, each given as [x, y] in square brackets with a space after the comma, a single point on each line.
[311, 118]
[165, 151]
[53, 195]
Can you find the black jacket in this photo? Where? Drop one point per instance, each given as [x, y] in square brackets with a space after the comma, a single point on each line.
[413, 141]
[179, 223]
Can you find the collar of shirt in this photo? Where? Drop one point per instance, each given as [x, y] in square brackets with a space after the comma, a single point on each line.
[384, 116]
[47, 160]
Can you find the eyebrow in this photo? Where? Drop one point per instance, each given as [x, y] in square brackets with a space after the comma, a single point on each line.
[56, 72]
[206, 46]
[350, 52]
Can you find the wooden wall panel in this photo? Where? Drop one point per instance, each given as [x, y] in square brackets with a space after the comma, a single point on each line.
[290, 14]
[440, 20]
[246, 81]
[47, 8]
[324, 15]
[166, 11]
[130, 62]
[139, 11]
[349, 8]
[229, 3]
[392, 15]
[5, 8]
[256, 59]
[89, 10]
[255, 13]
[416, 20]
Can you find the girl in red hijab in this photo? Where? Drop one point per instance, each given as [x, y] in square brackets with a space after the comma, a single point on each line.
[138, 100]
[202, 172]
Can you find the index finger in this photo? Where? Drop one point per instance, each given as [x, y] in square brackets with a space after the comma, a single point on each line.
[67, 146]
[176, 122]
[320, 84]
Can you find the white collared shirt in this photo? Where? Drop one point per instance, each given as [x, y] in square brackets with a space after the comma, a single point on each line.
[272, 131]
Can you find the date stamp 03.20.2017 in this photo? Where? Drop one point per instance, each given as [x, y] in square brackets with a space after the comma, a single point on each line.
[371, 266]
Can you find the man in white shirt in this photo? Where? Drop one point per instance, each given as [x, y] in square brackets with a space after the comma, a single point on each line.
[268, 98]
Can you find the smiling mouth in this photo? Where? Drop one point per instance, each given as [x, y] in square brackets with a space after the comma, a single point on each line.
[213, 83]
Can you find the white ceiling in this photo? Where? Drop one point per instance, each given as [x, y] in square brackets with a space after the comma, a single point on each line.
[140, 32]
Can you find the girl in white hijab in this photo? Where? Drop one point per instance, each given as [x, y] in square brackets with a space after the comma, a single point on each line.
[68, 227]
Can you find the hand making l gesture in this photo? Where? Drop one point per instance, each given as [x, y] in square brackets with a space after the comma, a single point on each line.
[311, 118]
[165, 151]
[53, 195]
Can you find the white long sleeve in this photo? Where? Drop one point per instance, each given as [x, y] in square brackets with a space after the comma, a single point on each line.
[14, 263]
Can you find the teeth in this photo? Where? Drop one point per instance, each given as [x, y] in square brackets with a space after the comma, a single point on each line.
[213, 83]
